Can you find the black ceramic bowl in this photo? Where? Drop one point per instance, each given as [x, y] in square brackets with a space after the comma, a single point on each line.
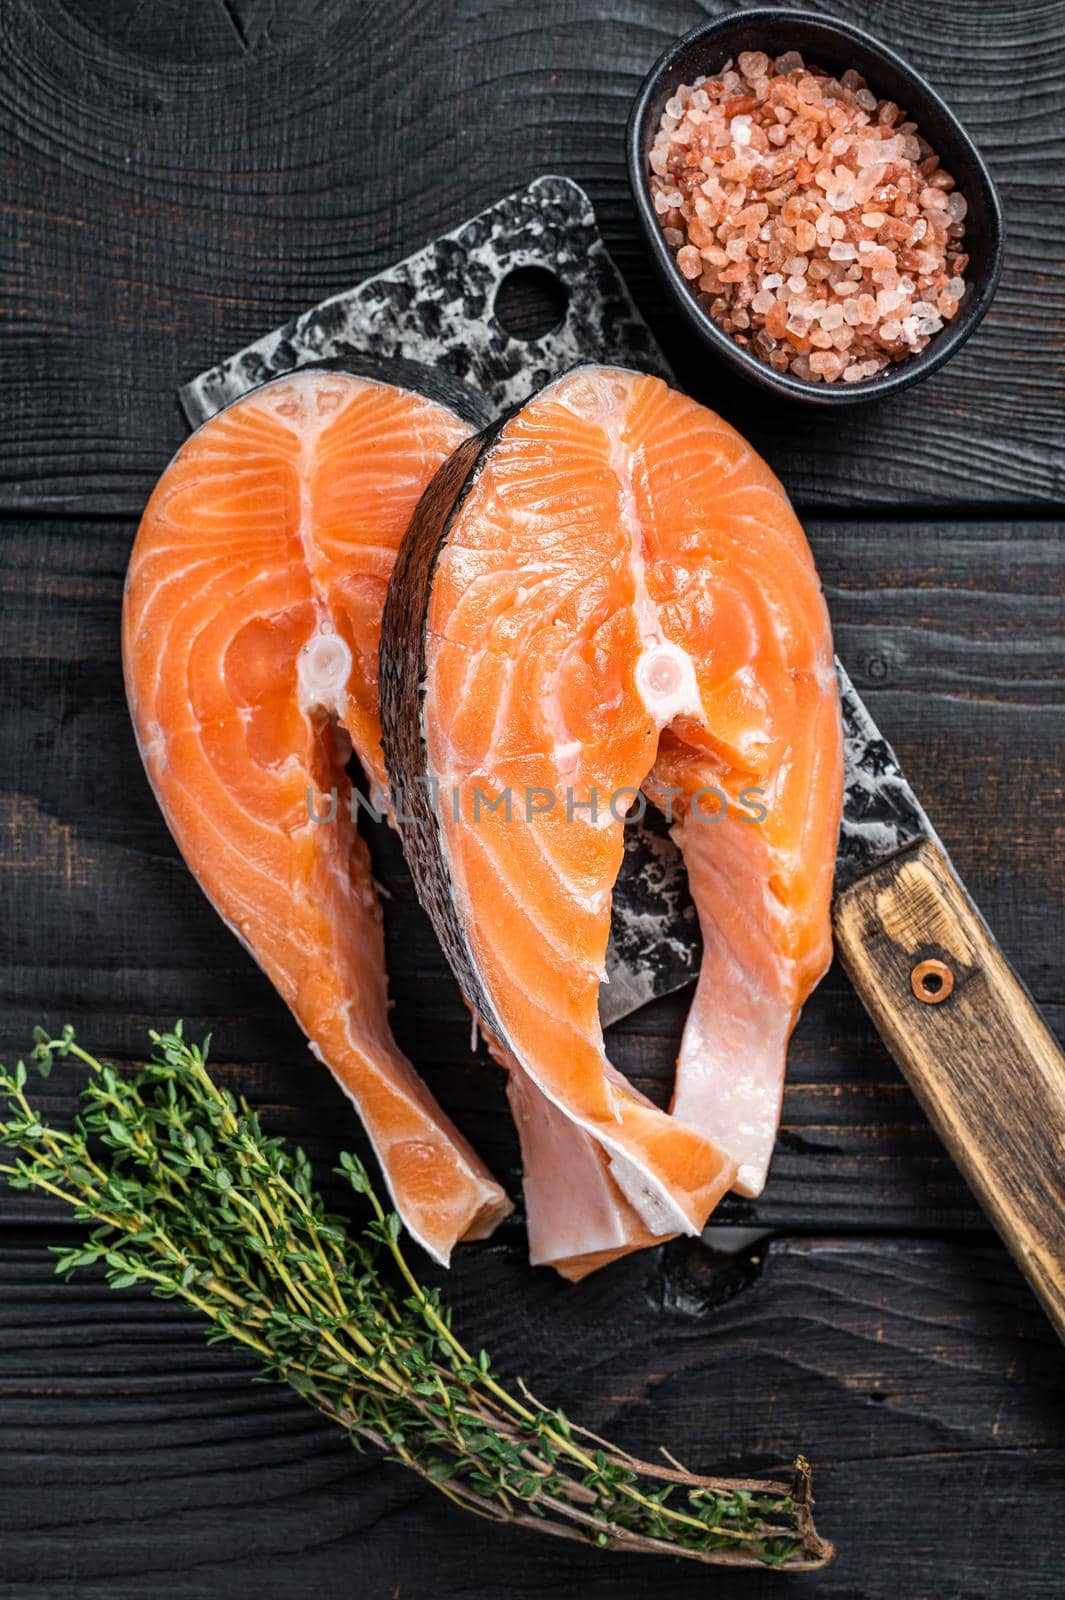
[835, 46]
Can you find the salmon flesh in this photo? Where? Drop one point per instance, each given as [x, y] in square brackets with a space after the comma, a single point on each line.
[251, 622]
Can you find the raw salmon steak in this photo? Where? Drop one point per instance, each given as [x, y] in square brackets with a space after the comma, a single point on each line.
[615, 600]
[250, 635]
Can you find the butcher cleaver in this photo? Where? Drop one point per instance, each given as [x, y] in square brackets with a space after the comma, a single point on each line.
[957, 1019]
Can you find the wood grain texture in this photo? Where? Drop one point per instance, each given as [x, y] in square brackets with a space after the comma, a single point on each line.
[183, 178]
[919, 1376]
[179, 177]
[977, 1055]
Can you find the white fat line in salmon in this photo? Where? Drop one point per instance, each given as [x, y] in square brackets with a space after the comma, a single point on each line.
[626, 805]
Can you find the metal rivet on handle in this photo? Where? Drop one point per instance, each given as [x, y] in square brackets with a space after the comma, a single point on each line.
[932, 982]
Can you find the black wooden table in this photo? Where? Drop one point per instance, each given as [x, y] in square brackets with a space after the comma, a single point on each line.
[180, 175]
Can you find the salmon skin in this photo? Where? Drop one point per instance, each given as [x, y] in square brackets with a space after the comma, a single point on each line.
[614, 600]
[250, 640]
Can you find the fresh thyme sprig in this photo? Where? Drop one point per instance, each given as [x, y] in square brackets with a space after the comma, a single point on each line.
[187, 1197]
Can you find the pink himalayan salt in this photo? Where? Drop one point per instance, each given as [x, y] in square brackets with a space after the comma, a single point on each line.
[806, 218]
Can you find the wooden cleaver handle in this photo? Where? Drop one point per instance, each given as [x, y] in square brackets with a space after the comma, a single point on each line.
[977, 1053]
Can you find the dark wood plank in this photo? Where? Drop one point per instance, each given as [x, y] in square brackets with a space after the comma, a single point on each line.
[919, 1377]
[191, 34]
[952, 632]
[184, 178]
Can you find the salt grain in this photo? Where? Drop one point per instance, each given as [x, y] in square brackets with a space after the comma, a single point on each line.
[688, 261]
